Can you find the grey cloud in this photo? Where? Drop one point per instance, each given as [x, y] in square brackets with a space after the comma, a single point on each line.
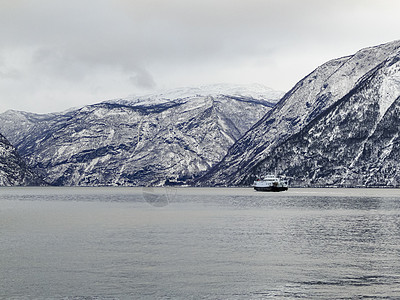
[56, 63]
[10, 74]
[143, 79]
[118, 47]
[7, 72]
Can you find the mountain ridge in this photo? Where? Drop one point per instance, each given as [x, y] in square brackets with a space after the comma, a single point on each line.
[245, 91]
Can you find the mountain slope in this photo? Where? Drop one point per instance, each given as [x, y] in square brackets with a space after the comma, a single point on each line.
[355, 143]
[13, 170]
[142, 141]
[313, 95]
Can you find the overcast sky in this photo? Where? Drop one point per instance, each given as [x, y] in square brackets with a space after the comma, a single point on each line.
[57, 54]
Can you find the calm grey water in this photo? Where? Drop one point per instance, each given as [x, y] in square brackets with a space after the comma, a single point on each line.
[188, 243]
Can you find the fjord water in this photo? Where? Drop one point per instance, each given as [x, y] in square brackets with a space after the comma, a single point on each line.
[199, 243]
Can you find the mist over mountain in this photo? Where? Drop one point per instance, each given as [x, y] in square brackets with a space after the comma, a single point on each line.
[151, 140]
[337, 126]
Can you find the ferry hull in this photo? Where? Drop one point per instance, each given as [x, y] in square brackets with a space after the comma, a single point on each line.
[271, 188]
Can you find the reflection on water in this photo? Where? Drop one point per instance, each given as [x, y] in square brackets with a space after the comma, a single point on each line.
[155, 243]
[159, 197]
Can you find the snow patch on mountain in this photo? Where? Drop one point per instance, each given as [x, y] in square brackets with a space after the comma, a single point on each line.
[390, 88]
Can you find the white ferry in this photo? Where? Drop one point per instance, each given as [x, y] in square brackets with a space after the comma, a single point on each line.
[271, 183]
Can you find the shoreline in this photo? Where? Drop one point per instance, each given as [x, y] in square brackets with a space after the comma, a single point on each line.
[238, 191]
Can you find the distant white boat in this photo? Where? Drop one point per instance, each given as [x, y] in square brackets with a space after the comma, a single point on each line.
[271, 183]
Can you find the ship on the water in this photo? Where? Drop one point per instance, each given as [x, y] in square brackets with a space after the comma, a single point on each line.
[271, 183]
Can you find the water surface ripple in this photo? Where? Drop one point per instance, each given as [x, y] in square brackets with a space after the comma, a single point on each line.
[199, 243]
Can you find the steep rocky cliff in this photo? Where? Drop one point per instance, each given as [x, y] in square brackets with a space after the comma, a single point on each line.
[13, 170]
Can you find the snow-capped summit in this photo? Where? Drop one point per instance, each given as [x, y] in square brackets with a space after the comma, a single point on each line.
[255, 92]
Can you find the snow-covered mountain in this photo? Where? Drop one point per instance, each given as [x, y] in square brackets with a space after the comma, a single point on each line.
[172, 136]
[13, 170]
[354, 143]
[338, 125]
